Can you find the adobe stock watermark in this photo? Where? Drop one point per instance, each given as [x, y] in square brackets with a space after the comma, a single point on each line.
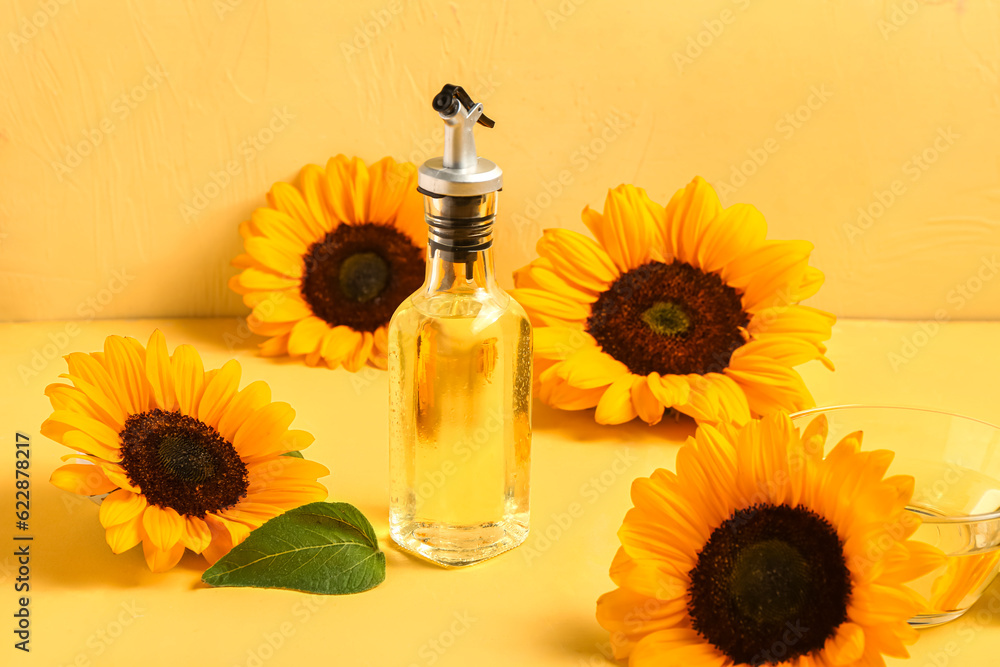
[898, 15]
[219, 179]
[704, 39]
[527, 220]
[223, 7]
[120, 110]
[434, 649]
[540, 540]
[98, 643]
[371, 27]
[561, 12]
[913, 169]
[269, 643]
[786, 127]
[88, 310]
[28, 27]
[958, 297]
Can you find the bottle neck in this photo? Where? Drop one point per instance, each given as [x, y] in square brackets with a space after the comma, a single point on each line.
[460, 243]
[464, 272]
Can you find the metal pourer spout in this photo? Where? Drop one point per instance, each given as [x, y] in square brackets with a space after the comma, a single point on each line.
[460, 115]
[460, 172]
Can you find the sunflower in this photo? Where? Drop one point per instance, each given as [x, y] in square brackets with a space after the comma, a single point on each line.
[687, 307]
[190, 461]
[328, 262]
[761, 551]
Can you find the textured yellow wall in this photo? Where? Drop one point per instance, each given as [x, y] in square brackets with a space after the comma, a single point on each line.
[114, 117]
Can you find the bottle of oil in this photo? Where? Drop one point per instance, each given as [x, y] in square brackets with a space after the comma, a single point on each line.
[459, 369]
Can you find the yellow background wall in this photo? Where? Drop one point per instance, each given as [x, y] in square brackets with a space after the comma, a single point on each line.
[116, 116]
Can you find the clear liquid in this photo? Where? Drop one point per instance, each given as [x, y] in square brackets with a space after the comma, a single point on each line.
[460, 426]
[970, 566]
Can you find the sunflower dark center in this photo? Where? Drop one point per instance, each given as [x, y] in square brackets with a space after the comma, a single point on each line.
[186, 459]
[669, 318]
[666, 319]
[357, 275]
[771, 584]
[180, 462]
[363, 276]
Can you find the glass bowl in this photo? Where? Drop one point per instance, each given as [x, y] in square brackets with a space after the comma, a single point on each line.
[955, 462]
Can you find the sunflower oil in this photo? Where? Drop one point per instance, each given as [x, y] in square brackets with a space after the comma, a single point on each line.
[460, 420]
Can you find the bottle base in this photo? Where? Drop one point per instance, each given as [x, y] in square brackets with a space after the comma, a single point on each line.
[460, 545]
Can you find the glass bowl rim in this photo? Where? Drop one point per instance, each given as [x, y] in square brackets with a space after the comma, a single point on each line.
[971, 518]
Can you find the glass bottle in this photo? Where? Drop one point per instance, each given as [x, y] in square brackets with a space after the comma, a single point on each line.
[459, 370]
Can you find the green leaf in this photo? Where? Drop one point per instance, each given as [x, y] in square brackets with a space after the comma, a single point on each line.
[327, 548]
[296, 454]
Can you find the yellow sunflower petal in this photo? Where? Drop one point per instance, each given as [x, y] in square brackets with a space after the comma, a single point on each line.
[84, 397]
[250, 399]
[615, 406]
[669, 390]
[161, 560]
[123, 536]
[225, 535]
[770, 274]
[306, 335]
[82, 478]
[590, 368]
[768, 385]
[118, 477]
[262, 432]
[312, 182]
[287, 199]
[846, 646]
[688, 214]
[676, 646]
[281, 259]
[577, 259]
[250, 514]
[650, 577]
[875, 604]
[714, 398]
[197, 535]
[338, 192]
[121, 506]
[554, 391]
[82, 442]
[339, 343]
[541, 274]
[736, 231]
[159, 372]
[189, 378]
[286, 306]
[355, 360]
[87, 368]
[649, 409]
[389, 186]
[560, 342]
[546, 309]
[285, 228]
[163, 526]
[256, 279]
[632, 226]
[219, 392]
[61, 422]
[276, 470]
[360, 190]
[644, 615]
[275, 347]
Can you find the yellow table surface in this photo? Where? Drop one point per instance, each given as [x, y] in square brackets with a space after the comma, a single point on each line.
[532, 606]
